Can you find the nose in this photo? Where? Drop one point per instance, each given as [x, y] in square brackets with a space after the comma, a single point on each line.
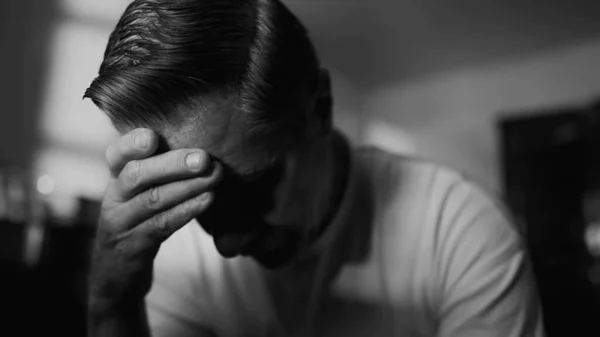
[231, 245]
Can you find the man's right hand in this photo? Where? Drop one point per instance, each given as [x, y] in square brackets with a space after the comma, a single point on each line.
[148, 198]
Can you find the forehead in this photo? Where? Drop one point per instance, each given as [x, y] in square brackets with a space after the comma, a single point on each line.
[220, 128]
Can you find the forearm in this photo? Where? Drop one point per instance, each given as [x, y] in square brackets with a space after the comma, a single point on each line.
[130, 322]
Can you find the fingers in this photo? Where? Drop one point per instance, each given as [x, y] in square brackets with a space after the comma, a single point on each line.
[160, 198]
[162, 225]
[136, 144]
[139, 175]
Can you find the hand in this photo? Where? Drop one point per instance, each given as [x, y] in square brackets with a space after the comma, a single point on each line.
[148, 198]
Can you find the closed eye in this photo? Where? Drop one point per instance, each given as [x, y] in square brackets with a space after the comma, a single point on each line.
[268, 173]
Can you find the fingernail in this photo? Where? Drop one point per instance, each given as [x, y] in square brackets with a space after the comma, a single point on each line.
[193, 160]
[205, 196]
[142, 140]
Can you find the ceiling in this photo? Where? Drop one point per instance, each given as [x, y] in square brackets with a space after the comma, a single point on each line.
[374, 41]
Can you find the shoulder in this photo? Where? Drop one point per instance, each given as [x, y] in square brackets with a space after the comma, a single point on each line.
[443, 188]
[437, 188]
[446, 248]
[436, 211]
[384, 168]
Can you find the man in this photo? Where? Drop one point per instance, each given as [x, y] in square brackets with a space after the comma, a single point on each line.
[226, 118]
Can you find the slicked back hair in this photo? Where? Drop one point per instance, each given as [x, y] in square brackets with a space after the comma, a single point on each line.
[165, 56]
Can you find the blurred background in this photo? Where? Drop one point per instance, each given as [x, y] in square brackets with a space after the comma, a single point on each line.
[507, 92]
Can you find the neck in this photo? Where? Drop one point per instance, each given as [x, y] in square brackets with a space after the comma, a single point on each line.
[313, 194]
[335, 180]
[315, 184]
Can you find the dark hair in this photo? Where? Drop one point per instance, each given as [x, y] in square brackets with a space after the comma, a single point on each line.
[165, 55]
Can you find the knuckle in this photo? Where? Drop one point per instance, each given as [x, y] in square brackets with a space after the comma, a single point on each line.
[108, 204]
[106, 214]
[133, 169]
[109, 216]
[107, 238]
[153, 198]
[122, 243]
[160, 224]
[112, 219]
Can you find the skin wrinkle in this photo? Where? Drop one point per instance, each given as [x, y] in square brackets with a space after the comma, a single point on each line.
[218, 128]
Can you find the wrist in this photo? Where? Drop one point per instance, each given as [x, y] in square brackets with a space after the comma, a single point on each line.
[99, 307]
[115, 321]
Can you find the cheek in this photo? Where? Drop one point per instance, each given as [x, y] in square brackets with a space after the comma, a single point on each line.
[280, 206]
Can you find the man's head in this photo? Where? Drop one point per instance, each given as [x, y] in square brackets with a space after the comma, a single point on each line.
[238, 78]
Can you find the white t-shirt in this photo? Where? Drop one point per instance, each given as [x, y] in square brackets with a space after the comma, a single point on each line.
[415, 250]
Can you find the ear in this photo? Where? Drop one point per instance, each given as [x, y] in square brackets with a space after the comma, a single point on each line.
[323, 110]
